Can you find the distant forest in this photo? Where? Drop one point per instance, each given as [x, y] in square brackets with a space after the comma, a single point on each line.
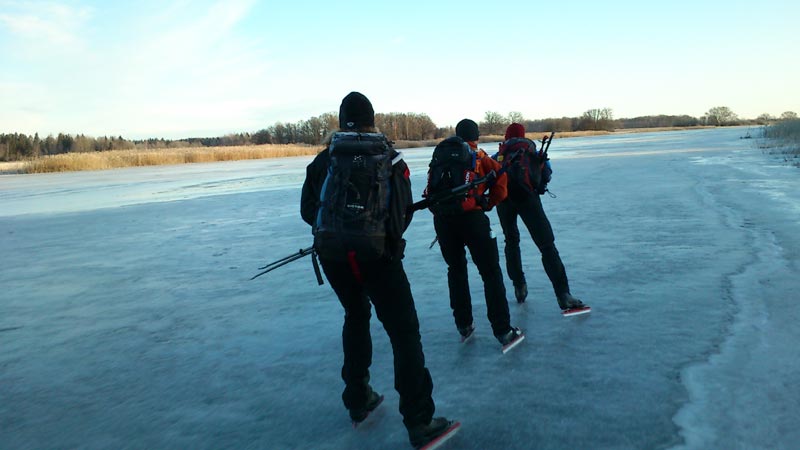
[397, 126]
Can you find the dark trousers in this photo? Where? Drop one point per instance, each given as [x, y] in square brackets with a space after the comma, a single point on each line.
[472, 230]
[532, 214]
[386, 284]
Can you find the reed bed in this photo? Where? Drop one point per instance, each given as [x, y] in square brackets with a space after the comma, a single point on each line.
[783, 138]
[132, 158]
[787, 131]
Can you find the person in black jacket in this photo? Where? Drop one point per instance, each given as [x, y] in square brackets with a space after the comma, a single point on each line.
[469, 228]
[528, 206]
[384, 283]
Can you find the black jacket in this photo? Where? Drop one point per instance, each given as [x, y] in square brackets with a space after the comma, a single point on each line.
[400, 200]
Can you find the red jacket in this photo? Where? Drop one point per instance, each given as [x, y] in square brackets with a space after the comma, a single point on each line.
[483, 165]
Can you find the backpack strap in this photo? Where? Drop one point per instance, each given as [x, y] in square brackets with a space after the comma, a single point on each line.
[354, 268]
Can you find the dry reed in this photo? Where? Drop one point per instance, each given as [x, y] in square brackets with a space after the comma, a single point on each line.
[132, 158]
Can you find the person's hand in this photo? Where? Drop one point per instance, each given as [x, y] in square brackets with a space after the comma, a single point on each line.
[483, 202]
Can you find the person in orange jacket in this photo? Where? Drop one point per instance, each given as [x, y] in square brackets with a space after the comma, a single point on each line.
[465, 224]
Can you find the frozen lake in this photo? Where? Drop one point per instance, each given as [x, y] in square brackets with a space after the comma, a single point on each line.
[127, 318]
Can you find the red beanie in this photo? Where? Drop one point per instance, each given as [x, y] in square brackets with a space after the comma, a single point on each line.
[515, 130]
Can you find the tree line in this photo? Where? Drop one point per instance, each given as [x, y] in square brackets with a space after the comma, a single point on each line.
[397, 126]
[602, 119]
[18, 146]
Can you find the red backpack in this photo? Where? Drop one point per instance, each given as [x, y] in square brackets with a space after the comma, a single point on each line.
[523, 165]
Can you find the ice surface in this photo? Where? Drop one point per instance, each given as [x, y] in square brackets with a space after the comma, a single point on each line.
[127, 319]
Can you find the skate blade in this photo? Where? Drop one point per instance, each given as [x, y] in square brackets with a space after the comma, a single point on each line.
[442, 438]
[576, 311]
[356, 424]
[513, 343]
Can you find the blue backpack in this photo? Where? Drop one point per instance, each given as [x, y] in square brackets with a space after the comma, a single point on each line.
[547, 175]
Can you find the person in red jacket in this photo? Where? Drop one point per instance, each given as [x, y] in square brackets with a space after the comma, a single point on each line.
[528, 206]
[469, 227]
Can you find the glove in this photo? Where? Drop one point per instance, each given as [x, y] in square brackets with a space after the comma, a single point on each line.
[491, 176]
[483, 202]
[397, 249]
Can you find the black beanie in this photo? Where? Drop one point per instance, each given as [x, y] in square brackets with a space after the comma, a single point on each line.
[356, 112]
[467, 130]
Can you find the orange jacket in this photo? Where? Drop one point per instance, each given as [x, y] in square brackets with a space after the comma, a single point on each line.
[483, 165]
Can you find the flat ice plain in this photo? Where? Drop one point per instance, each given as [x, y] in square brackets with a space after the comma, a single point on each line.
[127, 318]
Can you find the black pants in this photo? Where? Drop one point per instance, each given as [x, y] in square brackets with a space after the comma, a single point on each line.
[533, 216]
[386, 284]
[472, 230]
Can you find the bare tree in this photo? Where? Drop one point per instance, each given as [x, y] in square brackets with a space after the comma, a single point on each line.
[720, 115]
[313, 130]
[515, 117]
[281, 134]
[493, 123]
[598, 114]
[597, 119]
[789, 115]
[765, 118]
[331, 120]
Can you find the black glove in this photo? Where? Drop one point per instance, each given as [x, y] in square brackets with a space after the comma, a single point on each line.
[397, 249]
[491, 176]
[483, 202]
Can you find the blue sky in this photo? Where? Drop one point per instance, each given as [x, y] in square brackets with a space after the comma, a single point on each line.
[204, 68]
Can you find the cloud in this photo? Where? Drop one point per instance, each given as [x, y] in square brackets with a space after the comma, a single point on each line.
[176, 68]
[199, 54]
[191, 67]
[51, 24]
[23, 107]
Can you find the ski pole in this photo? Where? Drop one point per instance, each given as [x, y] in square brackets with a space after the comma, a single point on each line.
[316, 268]
[293, 257]
[282, 262]
[273, 267]
[544, 157]
[449, 195]
[547, 141]
[300, 253]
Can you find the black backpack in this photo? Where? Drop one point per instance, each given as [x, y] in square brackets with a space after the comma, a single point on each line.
[354, 200]
[452, 165]
[524, 167]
